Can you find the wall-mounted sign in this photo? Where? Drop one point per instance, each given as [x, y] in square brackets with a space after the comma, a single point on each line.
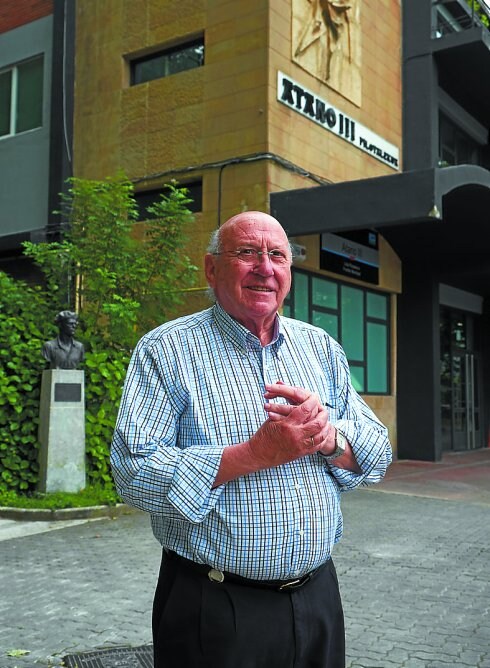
[306, 103]
[353, 254]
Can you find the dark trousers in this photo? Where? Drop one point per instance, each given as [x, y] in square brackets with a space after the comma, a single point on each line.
[202, 624]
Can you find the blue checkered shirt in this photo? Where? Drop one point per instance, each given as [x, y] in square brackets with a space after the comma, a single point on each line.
[196, 386]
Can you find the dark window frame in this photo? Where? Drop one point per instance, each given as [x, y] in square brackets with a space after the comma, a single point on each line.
[337, 312]
[14, 96]
[145, 198]
[135, 79]
[460, 148]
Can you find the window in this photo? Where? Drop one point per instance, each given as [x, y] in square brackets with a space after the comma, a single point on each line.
[171, 61]
[456, 147]
[21, 97]
[358, 318]
[454, 16]
[146, 198]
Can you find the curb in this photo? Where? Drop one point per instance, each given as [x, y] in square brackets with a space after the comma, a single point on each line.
[41, 515]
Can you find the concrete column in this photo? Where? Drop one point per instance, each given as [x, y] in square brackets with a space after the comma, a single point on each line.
[418, 363]
[62, 431]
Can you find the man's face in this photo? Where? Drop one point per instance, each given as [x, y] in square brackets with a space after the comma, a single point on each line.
[253, 292]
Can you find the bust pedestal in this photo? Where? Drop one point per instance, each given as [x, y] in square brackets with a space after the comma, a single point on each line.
[62, 431]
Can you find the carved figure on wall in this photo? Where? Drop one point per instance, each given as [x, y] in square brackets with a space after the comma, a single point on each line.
[64, 352]
[326, 42]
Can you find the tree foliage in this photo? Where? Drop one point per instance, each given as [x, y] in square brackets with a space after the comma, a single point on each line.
[483, 14]
[24, 312]
[120, 286]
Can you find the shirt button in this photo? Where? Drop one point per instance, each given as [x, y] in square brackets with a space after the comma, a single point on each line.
[297, 486]
[301, 533]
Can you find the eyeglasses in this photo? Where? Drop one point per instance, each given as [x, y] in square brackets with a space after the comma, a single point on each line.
[252, 255]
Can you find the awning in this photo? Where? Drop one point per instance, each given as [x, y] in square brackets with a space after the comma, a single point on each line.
[441, 213]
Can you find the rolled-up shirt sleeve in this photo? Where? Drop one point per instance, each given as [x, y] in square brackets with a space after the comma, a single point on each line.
[152, 469]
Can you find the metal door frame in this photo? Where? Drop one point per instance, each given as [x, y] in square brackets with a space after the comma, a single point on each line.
[472, 387]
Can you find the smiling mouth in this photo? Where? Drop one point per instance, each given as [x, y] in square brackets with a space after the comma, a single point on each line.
[259, 289]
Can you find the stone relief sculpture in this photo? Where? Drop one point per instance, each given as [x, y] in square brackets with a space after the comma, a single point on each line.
[64, 352]
[326, 41]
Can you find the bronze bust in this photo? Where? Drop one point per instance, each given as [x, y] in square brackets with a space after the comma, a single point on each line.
[64, 352]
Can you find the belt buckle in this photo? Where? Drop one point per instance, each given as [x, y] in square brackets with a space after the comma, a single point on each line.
[295, 584]
[216, 575]
[292, 584]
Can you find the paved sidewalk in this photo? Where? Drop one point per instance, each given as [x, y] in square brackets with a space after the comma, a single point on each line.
[460, 476]
[77, 589]
[413, 568]
[16, 529]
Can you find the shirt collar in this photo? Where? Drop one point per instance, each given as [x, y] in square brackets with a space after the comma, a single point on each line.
[240, 335]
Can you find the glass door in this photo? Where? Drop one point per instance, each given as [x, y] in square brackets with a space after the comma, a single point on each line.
[460, 397]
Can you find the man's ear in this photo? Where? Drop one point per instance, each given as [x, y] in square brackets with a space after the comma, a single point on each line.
[210, 269]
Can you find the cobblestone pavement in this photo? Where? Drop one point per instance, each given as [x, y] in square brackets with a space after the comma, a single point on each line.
[413, 573]
[414, 576]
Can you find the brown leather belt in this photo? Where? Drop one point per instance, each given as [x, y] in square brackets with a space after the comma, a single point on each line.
[215, 575]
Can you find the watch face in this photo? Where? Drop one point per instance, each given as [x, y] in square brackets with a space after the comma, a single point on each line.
[341, 441]
[340, 444]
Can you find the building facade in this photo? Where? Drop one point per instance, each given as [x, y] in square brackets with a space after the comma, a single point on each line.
[209, 93]
[361, 125]
[434, 216]
[36, 119]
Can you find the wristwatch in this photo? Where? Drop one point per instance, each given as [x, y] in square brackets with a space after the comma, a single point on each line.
[340, 444]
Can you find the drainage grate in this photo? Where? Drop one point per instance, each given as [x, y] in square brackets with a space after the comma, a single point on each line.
[117, 657]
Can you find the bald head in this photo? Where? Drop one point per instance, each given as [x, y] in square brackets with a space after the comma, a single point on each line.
[258, 219]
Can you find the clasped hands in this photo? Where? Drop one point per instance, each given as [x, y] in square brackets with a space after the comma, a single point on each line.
[293, 430]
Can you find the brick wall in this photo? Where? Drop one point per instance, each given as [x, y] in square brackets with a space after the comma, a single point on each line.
[15, 13]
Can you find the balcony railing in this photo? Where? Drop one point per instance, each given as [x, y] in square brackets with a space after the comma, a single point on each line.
[458, 15]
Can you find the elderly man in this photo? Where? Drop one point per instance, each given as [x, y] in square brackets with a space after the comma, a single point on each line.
[237, 431]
